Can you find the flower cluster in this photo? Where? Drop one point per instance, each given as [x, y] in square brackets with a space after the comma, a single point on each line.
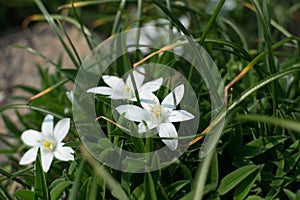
[152, 114]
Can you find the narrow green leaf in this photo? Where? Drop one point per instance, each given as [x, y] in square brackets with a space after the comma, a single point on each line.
[57, 191]
[138, 193]
[201, 176]
[260, 145]
[70, 73]
[53, 25]
[40, 184]
[149, 187]
[4, 194]
[25, 194]
[287, 123]
[77, 182]
[173, 188]
[289, 194]
[234, 178]
[245, 186]
[10, 125]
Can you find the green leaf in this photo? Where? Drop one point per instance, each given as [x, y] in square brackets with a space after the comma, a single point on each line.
[289, 124]
[234, 178]
[4, 194]
[173, 188]
[24, 194]
[149, 187]
[70, 73]
[57, 191]
[245, 186]
[254, 197]
[138, 193]
[40, 184]
[260, 145]
[77, 182]
[289, 194]
[10, 125]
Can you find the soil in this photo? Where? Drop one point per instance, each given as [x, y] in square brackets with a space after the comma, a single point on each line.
[19, 67]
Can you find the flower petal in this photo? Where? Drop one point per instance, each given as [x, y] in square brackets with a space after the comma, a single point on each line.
[132, 112]
[179, 116]
[169, 101]
[138, 78]
[148, 100]
[151, 86]
[113, 81]
[47, 158]
[100, 90]
[29, 156]
[32, 137]
[168, 130]
[142, 128]
[64, 153]
[47, 126]
[61, 129]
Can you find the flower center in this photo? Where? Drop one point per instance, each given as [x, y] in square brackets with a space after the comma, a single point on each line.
[127, 89]
[47, 144]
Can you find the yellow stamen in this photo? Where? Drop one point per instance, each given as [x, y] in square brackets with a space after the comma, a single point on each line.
[47, 144]
[127, 89]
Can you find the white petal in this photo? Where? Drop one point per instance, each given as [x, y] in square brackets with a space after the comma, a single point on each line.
[100, 90]
[133, 113]
[179, 116]
[169, 101]
[29, 156]
[113, 81]
[64, 153]
[168, 130]
[32, 137]
[47, 126]
[151, 86]
[138, 78]
[70, 95]
[148, 100]
[142, 128]
[47, 158]
[61, 129]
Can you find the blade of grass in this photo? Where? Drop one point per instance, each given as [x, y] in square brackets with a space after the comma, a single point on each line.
[77, 182]
[69, 41]
[287, 123]
[118, 17]
[46, 91]
[201, 175]
[244, 95]
[264, 18]
[40, 184]
[82, 27]
[18, 106]
[112, 184]
[211, 21]
[35, 52]
[39, 17]
[4, 194]
[51, 22]
[12, 177]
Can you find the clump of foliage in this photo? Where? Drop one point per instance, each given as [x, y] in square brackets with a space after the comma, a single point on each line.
[257, 52]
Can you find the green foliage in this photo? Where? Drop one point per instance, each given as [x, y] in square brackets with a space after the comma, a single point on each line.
[257, 155]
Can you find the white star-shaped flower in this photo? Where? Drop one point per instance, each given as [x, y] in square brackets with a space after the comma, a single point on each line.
[49, 141]
[158, 115]
[119, 90]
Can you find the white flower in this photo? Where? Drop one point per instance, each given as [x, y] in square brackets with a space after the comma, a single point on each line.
[159, 116]
[118, 89]
[49, 141]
